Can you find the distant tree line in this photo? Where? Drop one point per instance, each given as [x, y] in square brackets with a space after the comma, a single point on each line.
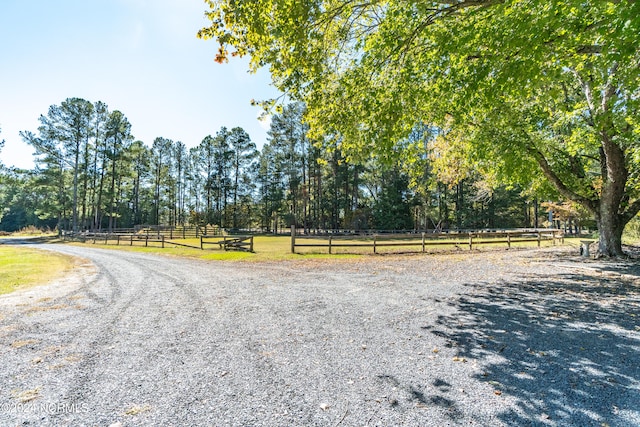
[92, 174]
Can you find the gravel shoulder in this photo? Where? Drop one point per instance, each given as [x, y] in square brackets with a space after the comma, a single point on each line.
[498, 338]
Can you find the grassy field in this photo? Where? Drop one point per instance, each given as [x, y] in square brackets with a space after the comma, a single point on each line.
[266, 248]
[22, 267]
[278, 248]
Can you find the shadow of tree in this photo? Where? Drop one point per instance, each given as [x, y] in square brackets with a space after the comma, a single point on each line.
[629, 266]
[416, 396]
[567, 348]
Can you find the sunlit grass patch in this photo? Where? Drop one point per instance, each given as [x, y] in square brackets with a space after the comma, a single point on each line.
[22, 267]
[227, 256]
[278, 248]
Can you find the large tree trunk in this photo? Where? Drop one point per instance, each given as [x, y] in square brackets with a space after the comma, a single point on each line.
[610, 213]
[610, 227]
[615, 176]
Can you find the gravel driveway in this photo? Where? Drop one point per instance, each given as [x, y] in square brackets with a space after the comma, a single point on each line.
[497, 338]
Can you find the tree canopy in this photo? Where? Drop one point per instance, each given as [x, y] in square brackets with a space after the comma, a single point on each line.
[527, 89]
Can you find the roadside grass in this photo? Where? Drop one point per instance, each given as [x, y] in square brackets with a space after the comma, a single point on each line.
[266, 248]
[25, 267]
[29, 231]
[278, 248]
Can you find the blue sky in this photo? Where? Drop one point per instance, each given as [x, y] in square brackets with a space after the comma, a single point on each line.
[141, 57]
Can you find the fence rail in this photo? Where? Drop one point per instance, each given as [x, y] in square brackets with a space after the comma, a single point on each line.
[424, 240]
[241, 243]
[118, 238]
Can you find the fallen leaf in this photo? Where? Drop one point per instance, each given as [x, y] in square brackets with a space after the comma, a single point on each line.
[29, 395]
[137, 410]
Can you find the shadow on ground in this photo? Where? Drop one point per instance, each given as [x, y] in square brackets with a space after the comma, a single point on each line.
[566, 348]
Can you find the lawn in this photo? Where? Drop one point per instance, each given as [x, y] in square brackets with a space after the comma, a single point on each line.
[266, 248]
[278, 248]
[22, 267]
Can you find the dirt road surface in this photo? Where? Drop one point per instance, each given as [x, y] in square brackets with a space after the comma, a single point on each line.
[538, 338]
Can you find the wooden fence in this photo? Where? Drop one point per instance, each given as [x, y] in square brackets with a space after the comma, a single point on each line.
[116, 238]
[241, 243]
[180, 232]
[469, 239]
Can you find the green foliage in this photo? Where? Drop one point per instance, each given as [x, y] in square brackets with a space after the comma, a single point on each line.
[392, 209]
[633, 230]
[533, 91]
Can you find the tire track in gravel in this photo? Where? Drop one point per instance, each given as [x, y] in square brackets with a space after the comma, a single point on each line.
[124, 288]
[118, 312]
[169, 341]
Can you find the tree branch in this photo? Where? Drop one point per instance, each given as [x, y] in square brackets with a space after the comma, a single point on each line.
[631, 211]
[591, 205]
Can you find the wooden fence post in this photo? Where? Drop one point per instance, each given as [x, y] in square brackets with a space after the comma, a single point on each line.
[330, 245]
[293, 239]
[251, 244]
[163, 241]
[423, 245]
[470, 241]
[508, 240]
[375, 239]
[146, 241]
[201, 243]
[539, 235]
[131, 244]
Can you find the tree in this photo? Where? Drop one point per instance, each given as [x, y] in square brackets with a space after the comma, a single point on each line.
[221, 182]
[161, 162]
[392, 208]
[118, 139]
[203, 165]
[181, 164]
[287, 135]
[139, 155]
[270, 187]
[243, 153]
[550, 85]
[63, 131]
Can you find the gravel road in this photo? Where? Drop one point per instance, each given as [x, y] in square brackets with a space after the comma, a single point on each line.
[537, 338]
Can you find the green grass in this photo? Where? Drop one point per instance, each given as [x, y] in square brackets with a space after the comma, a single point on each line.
[24, 267]
[278, 248]
[266, 248]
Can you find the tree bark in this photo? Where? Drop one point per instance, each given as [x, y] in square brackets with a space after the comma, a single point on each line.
[610, 228]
